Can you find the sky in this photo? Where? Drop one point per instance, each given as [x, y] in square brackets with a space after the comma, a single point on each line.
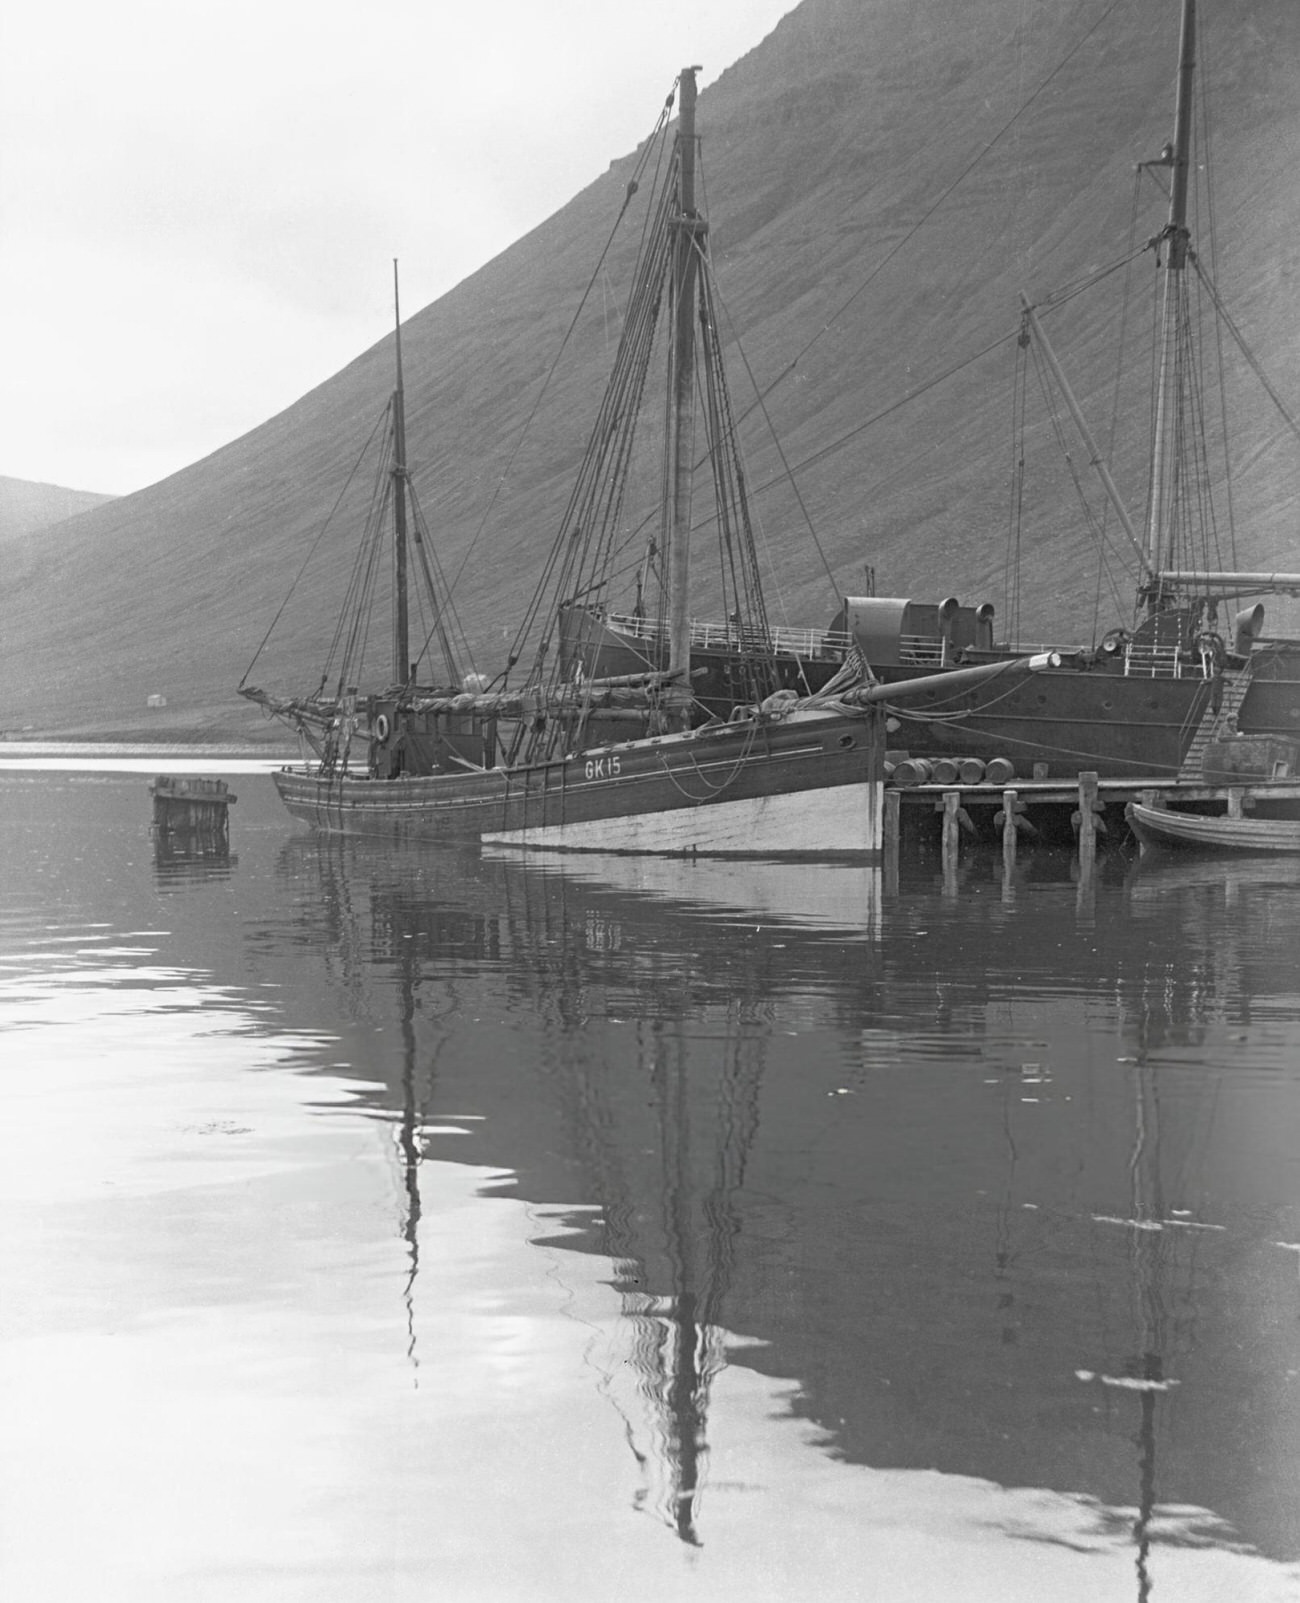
[200, 202]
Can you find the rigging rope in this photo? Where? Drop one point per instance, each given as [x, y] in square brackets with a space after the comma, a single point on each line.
[761, 403]
[1113, 431]
[911, 233]
[439, 595]
[1054, 418]
[1019, 406]
[311, 551]
[1204, 122]
[654, 143]
[1240, 340]
[894, 406]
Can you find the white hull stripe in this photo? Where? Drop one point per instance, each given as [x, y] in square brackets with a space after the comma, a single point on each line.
[838, 819]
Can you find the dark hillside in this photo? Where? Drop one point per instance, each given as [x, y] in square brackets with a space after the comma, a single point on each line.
[823, 150]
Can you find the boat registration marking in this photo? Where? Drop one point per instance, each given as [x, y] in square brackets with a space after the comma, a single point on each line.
[602, 768]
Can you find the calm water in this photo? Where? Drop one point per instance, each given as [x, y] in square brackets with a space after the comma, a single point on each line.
[394, 1224]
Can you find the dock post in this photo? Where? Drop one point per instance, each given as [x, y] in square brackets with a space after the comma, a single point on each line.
[1009, 800]
[1087, 821]
[951, 825]
[191, 807]
[891, 828]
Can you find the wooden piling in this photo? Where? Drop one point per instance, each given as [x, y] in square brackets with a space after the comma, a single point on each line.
[1009, 804]
[891, 828]
[1088, 803]
[191, 806]
[951, 826]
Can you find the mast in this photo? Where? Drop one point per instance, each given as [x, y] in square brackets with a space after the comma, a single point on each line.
[690, 230]
[401, 626]
[1095, 458]
[1176, 237]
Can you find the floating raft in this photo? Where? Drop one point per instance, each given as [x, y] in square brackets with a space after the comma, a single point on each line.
[190, 806]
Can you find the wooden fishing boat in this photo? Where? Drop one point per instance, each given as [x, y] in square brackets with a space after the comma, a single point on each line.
[797, 778]
[1151, 692]
[1174, 828]
[551, 762]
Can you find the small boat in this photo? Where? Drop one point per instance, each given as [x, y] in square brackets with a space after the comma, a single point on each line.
[1161, 827]
[550, 762]
[1143, 700]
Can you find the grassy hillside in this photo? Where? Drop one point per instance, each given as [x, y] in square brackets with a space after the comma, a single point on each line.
[26, 507]
[825, 151]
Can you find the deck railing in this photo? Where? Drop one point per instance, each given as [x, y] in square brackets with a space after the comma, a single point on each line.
[920, 651]
[1164, 662]
[1146, 662]
[718, 636]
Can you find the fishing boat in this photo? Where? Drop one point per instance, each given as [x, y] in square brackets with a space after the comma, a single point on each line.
[1147, 697]
[549, 761]
[1181, 829]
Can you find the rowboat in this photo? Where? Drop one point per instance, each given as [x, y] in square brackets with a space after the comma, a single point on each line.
[1158, 827]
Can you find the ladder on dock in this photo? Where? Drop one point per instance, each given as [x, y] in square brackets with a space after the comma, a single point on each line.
[1235, 686]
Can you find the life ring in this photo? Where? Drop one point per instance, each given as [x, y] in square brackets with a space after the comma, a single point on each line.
[382, 727]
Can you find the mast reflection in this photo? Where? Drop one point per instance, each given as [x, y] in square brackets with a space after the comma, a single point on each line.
[637, 1037]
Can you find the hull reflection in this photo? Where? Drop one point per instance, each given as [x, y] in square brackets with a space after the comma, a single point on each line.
[839, 896]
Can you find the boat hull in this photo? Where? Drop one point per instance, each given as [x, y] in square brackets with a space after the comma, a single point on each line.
[807, 786]
[1063, 721]
[1086, 716]
[1163, 827]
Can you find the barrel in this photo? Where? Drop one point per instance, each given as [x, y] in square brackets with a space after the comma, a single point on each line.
[999, 771]
[970, 770]
[913, 771]
[945, 771]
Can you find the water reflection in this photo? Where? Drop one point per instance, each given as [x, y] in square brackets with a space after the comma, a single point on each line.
[841, 897]
[184, 860]
[923, 1156]
[666, 1188]
[671, 1227]
[749, 1235]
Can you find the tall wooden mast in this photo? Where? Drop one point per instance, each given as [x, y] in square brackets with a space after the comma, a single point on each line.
[1175, 237]
[690, 231]
[401, 625]
[1163, 568]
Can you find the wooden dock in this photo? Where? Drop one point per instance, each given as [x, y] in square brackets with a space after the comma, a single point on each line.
[1081, 812]
[191, 806]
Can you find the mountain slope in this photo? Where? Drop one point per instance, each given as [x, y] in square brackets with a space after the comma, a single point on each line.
[825, 151]
[26, 506]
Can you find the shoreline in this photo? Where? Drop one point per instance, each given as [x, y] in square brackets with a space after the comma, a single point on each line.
[157, 751]
[223, 741]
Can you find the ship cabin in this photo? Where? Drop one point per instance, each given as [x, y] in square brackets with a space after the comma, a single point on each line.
[892, 632]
